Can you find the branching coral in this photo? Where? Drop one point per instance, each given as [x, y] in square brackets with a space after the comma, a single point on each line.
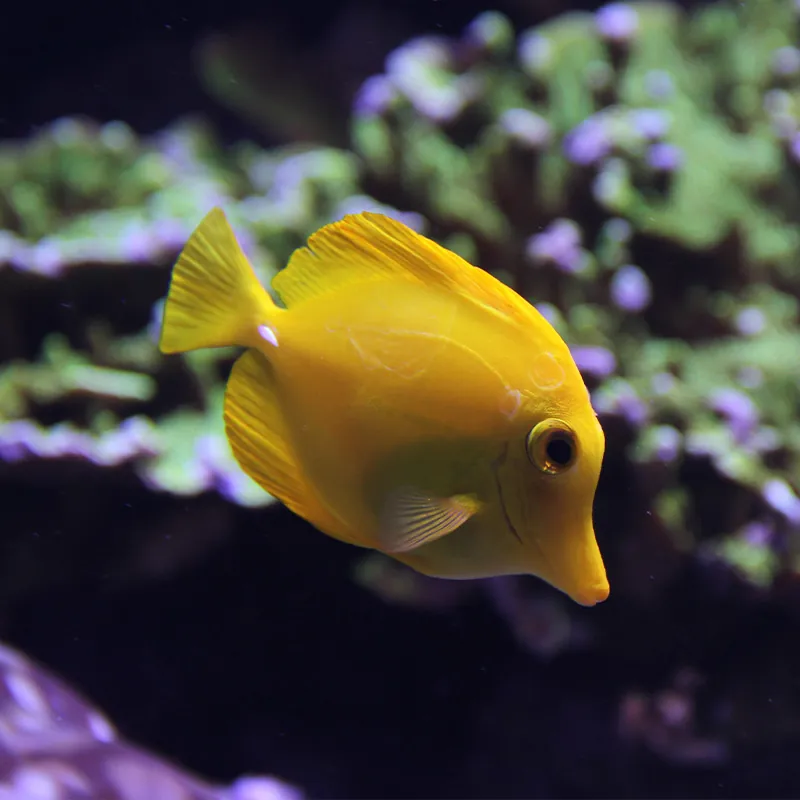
[54, 744]
[92, 218]
[632, 171]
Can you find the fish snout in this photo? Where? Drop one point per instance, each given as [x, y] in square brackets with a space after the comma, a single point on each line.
[592, 595]
[575, 566]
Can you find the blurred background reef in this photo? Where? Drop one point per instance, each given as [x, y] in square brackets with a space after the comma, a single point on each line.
[632, 168]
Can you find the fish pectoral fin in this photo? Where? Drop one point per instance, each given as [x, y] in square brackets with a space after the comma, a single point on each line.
[257, 433]
[215, 298]
[411, 518]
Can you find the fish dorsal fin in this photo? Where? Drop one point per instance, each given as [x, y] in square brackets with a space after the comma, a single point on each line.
[367, 246]
[411, 518]
[256, 430]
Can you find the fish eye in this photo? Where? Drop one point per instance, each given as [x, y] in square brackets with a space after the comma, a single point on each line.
[552, 446]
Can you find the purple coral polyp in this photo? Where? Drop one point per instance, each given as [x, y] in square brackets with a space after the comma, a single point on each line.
[490, 30]
[665, 157]
[619, 230]
[757, 533]
[663, 383]
[421, 70]
[738, 409]
[786, 61]
[779, 104]
[651, 123]
[139, 245]
[781, 497]
[43, 258]
[171, 234]
[560, 244]
[623, 400]
[618, 22]
[794, 148]
[16, 440]
[596, 361]
[750, 321]
[668, 442]
[22, 439]
[375, 96]
[534, 51]
[525, 126]
[631, 289]
[588, 142]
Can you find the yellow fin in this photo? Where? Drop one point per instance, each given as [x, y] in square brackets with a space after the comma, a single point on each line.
[215, 298]
[412, 518]
[366, 246]
[260, 442]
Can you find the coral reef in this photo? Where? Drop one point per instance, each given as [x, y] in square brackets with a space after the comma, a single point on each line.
[636, 175]
[55, 745]
[92, 218]
[643, 201]
[633, 171]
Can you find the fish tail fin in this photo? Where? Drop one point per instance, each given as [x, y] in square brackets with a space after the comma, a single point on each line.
[215, 298]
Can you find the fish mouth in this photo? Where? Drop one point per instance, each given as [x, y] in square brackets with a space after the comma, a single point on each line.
[598, 593]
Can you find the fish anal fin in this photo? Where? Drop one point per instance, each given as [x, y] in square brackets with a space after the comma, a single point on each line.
[257, 433]
[411, 518]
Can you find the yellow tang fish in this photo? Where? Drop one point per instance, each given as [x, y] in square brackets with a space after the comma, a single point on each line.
[403, 400]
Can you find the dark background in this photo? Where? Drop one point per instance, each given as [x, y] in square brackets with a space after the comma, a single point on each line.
[56, 59]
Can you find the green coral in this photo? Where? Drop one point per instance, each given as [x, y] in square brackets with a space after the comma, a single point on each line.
[80, 196]
[671, 148]
[565, 73]
[640, 188]
[61, 373]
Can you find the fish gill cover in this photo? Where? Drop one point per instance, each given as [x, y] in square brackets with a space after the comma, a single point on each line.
[633, 171]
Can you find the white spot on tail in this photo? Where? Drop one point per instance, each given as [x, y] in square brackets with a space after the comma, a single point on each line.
[268, 334]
